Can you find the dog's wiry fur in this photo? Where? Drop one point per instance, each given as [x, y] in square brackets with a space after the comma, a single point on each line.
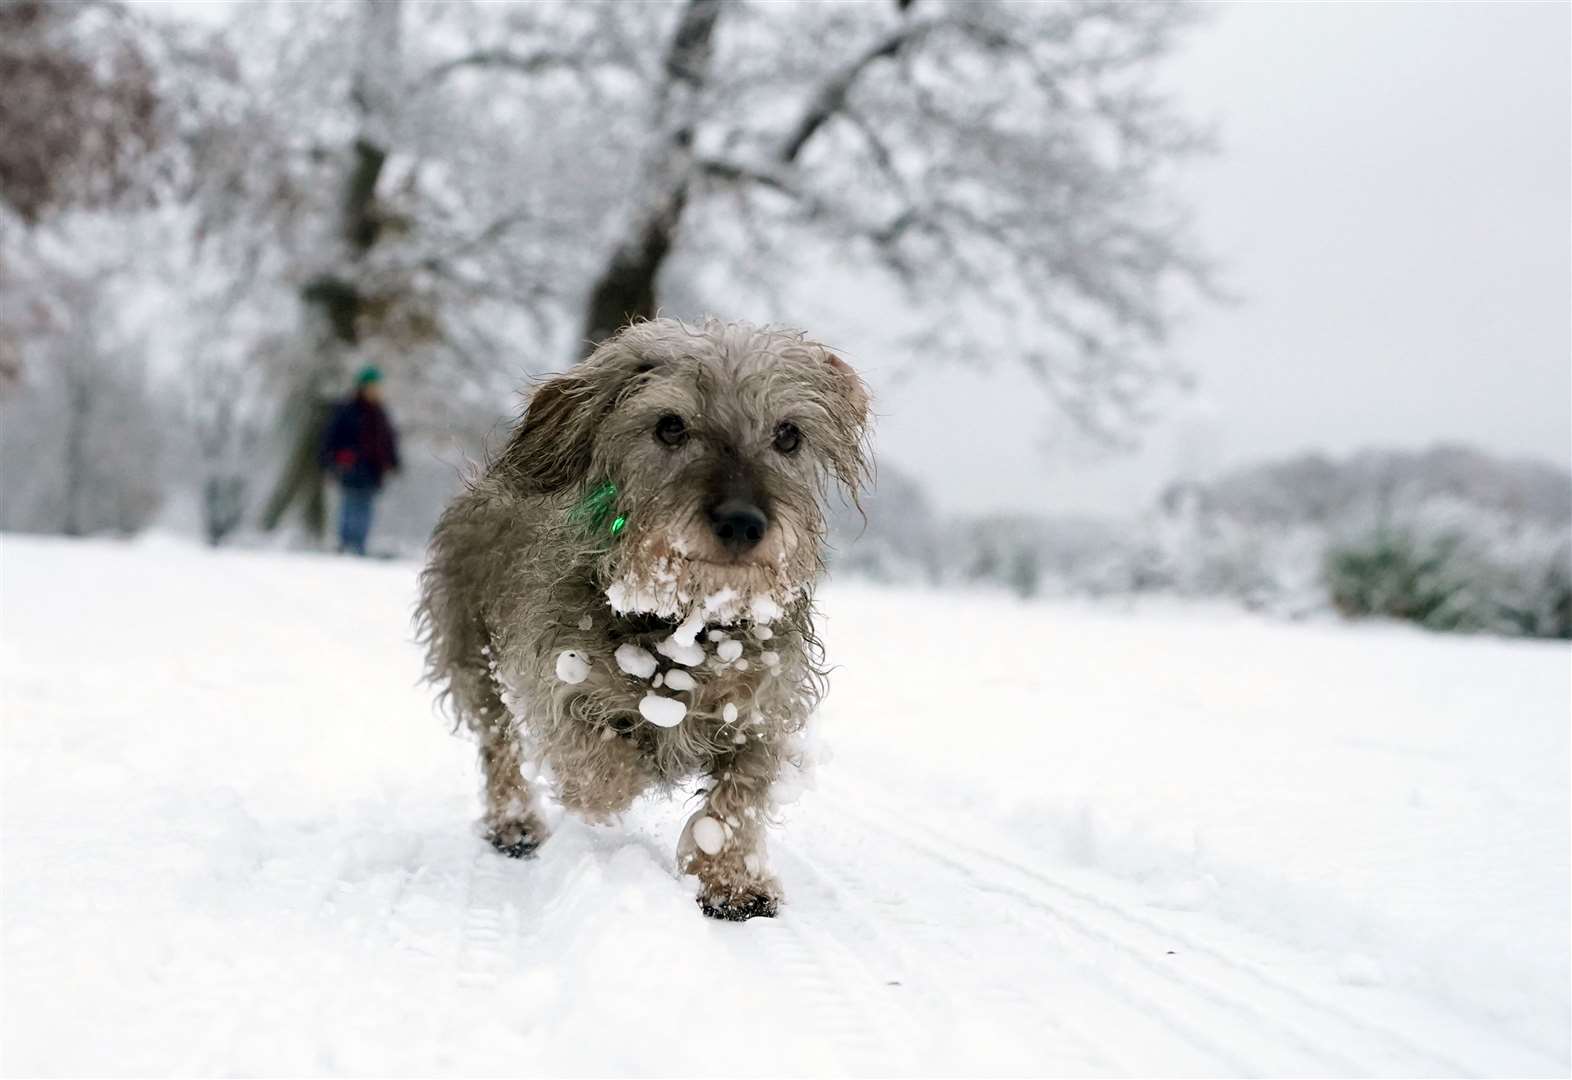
[524, 566]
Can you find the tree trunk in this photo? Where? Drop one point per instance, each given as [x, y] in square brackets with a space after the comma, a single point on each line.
[626, 288]
[79, 400]
[333, 300]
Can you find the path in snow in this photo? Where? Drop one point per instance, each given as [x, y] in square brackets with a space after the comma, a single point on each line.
[1053, 840]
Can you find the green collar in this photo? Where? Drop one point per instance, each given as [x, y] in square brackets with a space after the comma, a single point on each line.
[599, 507]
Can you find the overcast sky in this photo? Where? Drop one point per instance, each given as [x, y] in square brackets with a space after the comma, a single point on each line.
[1393, 202]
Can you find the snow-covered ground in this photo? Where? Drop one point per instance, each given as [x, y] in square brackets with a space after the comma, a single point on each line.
[1051, 840]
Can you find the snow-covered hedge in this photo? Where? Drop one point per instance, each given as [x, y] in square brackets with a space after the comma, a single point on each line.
[1450, 538]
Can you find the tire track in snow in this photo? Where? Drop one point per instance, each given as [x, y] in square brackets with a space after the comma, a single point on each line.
[875, 1036]
[1402, 1048]
[1101, 998]
[993, 1004]
[838, 1016]
[1136, 937]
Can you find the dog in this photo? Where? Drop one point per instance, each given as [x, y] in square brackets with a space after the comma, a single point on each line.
[625, 595]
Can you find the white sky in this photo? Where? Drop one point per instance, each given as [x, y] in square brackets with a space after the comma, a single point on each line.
[1393, 202]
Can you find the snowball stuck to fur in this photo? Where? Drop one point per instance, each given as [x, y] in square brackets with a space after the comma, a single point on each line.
[728, 650]
[687, 633]
[587, 623]
[677, 679]
[742, 665]
[688, 655]
[662, 711]
[635, 661]
[572, 667]
[729, 713]
[763, 633]
[655, 593]
[770, 658]
[721, 600]
[764, 609]
[717, 635]
[709, 835]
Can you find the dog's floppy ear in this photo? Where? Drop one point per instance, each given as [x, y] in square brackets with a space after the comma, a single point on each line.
[853, 387]
[553, 446]
[850, 411]
[550, 448]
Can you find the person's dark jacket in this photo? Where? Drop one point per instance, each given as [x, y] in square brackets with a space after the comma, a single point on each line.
[359, 446]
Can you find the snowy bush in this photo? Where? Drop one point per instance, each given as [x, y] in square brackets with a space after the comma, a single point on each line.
[1451, 581]
[1449, 538]
[1401, 575]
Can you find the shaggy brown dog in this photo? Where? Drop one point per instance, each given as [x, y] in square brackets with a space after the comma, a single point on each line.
[625, 596]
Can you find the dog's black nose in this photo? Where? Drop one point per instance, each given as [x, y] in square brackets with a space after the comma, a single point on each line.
[738, 524]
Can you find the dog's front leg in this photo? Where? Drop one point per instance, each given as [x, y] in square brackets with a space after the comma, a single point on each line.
[513, 823]
[723, 842]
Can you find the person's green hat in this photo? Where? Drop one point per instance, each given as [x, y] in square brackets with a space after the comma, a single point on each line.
[368, 374]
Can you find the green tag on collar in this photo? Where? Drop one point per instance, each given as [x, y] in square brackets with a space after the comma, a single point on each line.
[598, 506]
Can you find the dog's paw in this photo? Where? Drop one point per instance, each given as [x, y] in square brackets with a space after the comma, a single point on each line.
[740, 908]
[515, 839]
[522, 848]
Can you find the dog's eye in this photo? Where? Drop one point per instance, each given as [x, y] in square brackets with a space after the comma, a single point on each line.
[670, 430]
[787, 438]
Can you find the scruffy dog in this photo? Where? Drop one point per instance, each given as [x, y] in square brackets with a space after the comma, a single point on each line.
[625, 596]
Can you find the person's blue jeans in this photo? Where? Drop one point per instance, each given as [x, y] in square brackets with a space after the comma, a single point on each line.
[354, 522]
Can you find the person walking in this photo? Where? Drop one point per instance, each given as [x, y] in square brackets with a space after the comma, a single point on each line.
[359, 448]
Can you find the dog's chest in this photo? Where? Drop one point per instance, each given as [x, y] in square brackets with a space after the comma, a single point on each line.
[706, 688]
[722, 677]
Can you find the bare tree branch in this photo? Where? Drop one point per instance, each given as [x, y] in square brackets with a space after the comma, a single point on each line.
[507, 60]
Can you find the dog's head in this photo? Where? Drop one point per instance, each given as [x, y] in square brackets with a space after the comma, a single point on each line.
[696, 459]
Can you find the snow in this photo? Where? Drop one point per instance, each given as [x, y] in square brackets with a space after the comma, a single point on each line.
[764, 609]
[657, 595]
[709, 835]
[688, 631]
[677, 679]
[683, 653]
[662, 711]
[572, 667]
[635, 661]
[1055, 840]
[729, 713]
[729, 650]
[1357, 969]
[722, 602]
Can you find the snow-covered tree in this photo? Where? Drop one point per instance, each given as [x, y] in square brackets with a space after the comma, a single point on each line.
[1003, 165]
[464, 193]
[81, 441]
[82, 122]
[395, 168]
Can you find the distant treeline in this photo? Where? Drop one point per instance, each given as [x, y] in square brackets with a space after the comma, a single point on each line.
[1450, 538]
